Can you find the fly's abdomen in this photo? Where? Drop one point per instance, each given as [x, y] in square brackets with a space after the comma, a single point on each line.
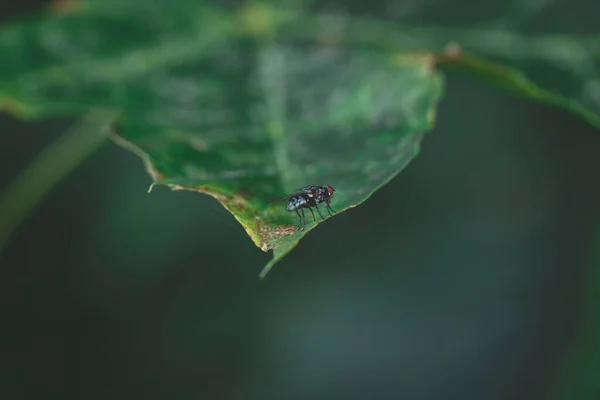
[295, 203]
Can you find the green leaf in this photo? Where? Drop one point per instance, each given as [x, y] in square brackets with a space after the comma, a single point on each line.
[317, 115]
[553, 69]
[214, 103]
[251, 103]
[497, 42]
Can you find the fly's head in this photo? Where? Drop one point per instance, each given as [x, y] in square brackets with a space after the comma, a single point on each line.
[330, 190]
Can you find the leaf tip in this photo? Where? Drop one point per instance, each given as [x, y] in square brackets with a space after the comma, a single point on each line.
[269, 235]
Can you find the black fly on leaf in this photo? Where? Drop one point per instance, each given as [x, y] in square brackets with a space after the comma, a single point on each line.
[309, 197]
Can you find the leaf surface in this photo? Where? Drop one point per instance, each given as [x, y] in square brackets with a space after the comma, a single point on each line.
[214, 103]
[544, 50]
[251, 103]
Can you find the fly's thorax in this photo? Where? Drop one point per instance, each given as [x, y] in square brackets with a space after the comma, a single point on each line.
[317, 193]
[321, 194]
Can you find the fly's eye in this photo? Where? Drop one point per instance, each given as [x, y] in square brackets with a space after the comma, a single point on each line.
[330, 190]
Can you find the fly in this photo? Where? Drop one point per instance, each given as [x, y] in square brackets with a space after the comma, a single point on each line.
[309, 197]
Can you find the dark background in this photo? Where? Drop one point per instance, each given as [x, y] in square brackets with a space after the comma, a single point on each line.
[461, 279]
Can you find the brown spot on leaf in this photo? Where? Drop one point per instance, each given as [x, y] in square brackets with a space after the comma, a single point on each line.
[269, 235]
[239, 203]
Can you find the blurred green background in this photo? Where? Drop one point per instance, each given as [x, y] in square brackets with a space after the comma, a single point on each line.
[461, 279]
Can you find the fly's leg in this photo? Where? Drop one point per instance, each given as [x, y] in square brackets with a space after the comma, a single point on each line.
[319, 211]
[299, 216]
[328, 207]
[303, 219]
[313, 214]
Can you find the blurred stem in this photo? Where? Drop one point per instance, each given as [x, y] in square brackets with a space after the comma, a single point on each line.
[54, 163]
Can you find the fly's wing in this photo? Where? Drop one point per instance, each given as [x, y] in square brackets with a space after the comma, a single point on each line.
[277, 200]
[308, 189]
